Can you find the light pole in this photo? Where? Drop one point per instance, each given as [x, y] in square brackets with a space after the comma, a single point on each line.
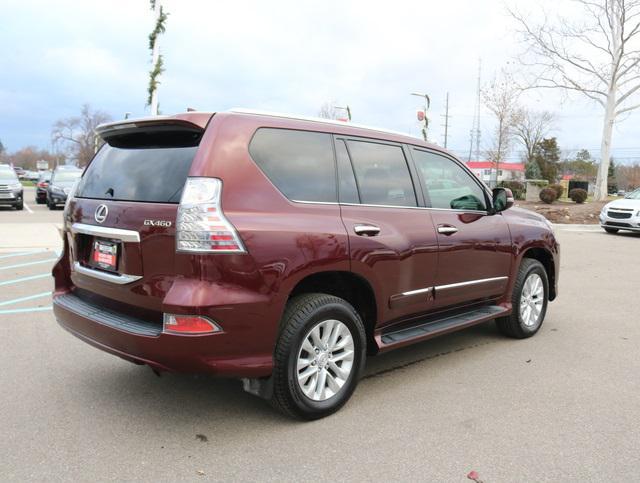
[427, 103]
[346, 108]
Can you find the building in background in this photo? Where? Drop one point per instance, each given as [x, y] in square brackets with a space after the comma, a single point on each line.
[506, 172]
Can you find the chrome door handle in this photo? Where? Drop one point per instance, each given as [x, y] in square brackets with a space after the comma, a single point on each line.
[366, 230]
[447, 229]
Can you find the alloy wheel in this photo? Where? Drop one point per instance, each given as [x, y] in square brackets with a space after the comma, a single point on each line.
[325, 360]
[532, 300]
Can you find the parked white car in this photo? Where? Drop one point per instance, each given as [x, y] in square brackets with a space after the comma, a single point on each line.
[622, 214]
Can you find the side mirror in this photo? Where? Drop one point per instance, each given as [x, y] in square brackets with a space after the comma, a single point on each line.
[502, 199]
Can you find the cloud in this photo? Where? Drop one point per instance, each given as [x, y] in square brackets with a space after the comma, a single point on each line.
[280, 55]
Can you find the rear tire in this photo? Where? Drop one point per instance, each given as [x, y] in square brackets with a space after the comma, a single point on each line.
[529, 301]
[611, 230]
[319, 356]
[52, 206]
[39, 201]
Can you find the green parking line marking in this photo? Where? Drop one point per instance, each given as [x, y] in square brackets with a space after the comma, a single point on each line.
[23, 299]
[19, 265]
[22, 311]
[20, 254]
[25, 279]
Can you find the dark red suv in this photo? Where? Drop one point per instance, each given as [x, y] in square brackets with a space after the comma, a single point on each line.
[283, 250]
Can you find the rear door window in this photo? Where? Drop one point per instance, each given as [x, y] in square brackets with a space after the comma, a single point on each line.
[382, 174]
[137, 174]
[299, 163]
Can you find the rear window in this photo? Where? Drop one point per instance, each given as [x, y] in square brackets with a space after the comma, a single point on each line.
[299, 163]
[154, 175]
[64, 176]
[382, 174]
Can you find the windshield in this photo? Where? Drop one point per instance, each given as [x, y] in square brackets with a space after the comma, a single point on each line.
[635, 195]
[6, 172]
[65, 176]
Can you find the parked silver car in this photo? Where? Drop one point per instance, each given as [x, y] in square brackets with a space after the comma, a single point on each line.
[622, 214]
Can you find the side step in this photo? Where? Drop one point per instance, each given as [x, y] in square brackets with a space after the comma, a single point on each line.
[431, 327]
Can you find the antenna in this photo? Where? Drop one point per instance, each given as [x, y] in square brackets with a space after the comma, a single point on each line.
[475, 133]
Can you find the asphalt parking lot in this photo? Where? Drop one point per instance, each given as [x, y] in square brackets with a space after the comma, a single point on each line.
[562, 406]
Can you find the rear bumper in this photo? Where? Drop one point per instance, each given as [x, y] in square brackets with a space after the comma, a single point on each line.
[143, 342]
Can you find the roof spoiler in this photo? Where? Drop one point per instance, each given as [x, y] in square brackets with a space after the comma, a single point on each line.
[190, 125]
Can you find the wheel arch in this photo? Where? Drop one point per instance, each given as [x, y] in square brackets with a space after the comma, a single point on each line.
[545, 257]
[348, 286]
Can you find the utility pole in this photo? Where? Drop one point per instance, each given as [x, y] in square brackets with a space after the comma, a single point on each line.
[446, 122]
[427, 103]
[475, 134]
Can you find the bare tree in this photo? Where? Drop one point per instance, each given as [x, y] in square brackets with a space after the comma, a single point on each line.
[598, 56]
[328, 110]
[501, 99]
[76, 135]
[531, 127]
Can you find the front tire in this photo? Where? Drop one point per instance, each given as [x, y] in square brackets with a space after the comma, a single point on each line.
[319, 356]
[20, 205]
[529, 301]
[611, 230]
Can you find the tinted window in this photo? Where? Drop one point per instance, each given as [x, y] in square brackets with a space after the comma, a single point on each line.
[299, 163]
[382, 174]
[66, 175]
[348, 191]
[447, 184]
[148, 174]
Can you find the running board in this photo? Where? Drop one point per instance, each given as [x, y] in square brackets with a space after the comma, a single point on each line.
[434, 326]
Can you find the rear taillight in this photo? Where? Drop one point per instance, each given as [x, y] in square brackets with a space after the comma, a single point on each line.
[189, 324]
[201, 225]
[42, 184]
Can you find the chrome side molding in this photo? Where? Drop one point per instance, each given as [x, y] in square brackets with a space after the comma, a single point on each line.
[470, 282]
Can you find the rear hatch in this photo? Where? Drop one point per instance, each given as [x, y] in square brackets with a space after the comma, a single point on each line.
[121, 220]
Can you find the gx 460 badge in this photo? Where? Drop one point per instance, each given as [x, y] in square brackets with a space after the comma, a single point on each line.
[163, 223]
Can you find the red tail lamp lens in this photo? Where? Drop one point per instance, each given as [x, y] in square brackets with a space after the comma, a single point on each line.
[189, 324]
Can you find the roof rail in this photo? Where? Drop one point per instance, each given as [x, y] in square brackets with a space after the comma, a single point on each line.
[317, 119]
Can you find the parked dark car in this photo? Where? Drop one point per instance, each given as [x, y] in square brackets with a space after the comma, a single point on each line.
[62, 180]
[283, 250]
[11, 191]
[41, 187]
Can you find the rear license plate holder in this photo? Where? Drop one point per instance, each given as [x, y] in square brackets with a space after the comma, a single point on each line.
[104, 254]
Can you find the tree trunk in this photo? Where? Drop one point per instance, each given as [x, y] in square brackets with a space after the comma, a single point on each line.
[601, 191]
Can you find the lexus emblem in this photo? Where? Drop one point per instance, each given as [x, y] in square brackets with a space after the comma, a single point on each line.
[101, 213]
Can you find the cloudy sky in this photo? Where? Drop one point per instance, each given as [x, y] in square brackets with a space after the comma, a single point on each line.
[286, 56]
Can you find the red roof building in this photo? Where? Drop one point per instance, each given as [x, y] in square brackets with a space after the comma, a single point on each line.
[506, 172]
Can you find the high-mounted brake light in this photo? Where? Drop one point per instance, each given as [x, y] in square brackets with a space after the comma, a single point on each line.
[201, 224]
[189, 324]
